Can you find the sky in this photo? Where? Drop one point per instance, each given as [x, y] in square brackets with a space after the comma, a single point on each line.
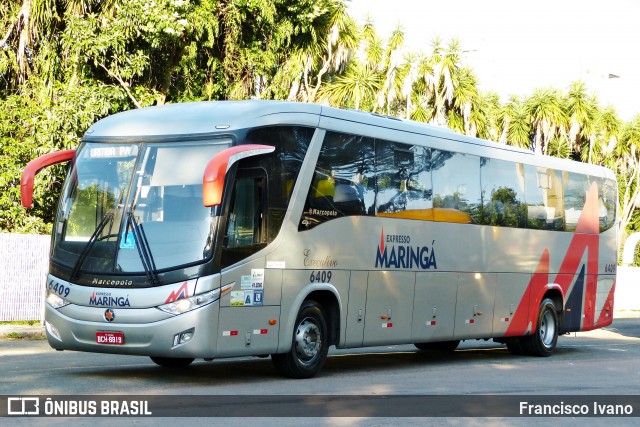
[516, 46]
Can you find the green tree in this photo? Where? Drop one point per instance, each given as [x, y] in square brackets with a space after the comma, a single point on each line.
[547, 116]
[514, 123]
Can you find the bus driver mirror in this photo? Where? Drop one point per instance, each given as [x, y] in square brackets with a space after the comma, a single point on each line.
[217, 168]
[34, 166]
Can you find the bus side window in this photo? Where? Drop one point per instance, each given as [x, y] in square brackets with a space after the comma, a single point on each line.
[343, 183]
[456, 183]
[576, 188]
[403, 180]
[503, 193]
[544, 197]
[608, 197]
[245, 229]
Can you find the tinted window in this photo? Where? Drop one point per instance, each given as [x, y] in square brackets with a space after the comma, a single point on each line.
[576, 188]
[607, 200]
[456, 186]
[244, 234]
[503, 193]
[343, 182]
[545, 202]
[284, 166]
[403, 176]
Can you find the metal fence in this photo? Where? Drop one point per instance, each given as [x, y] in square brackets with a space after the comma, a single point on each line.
[24, 262]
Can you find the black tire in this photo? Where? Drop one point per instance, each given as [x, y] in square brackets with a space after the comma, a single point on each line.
[309, 344]
[441, 346]
[543, 342]
[172, 362]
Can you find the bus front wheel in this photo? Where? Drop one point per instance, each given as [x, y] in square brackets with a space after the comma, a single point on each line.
[543, 342]
[172, 362]
[310, 344]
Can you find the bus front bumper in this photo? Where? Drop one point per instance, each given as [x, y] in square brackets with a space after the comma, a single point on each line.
[188, 335]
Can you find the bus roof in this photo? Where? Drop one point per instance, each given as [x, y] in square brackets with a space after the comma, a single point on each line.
[191, 119]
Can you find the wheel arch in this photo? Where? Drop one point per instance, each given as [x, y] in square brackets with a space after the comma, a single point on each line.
[555, 293]
[326, 295]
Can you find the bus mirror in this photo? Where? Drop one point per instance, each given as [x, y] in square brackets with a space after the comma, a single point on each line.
[33, 167]
[217, 168]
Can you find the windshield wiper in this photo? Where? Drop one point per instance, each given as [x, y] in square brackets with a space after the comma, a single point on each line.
[144, 250]
[92, 240]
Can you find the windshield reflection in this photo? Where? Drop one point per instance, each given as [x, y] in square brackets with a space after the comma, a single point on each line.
[158, 187]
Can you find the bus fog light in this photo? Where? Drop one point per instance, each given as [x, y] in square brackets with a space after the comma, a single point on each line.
[183, 337]
[53, 331]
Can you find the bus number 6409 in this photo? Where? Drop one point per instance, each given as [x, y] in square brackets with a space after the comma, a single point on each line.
[322, 276]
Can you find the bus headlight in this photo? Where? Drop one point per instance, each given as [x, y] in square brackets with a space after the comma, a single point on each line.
[55, 300]
[188, 304]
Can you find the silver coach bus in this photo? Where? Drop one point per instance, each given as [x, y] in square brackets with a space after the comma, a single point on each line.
[222, 229]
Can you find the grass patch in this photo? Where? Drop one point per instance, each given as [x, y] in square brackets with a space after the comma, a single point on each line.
[21, 322]
[14, 335]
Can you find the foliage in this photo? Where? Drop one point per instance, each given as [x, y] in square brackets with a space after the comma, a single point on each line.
[66, 63]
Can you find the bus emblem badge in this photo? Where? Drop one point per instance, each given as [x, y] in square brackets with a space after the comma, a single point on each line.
[109, 315]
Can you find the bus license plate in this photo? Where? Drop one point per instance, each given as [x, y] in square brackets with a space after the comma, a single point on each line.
[114, 338]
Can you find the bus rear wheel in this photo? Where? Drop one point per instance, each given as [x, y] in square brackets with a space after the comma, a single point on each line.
[441, 346]
[172, 362]
[543, 342]
[309, 346]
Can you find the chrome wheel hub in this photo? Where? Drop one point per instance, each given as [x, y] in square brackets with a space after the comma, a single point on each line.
[308, 340]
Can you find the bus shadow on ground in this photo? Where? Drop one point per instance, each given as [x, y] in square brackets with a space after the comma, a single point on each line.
[249, 370]
[628, 327]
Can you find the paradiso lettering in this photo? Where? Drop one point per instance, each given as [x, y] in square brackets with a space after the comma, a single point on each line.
[404, 255]
[103, 299]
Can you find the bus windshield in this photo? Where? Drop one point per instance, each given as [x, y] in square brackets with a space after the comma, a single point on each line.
[135, 208]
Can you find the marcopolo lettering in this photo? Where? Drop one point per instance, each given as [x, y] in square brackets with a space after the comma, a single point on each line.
[106, 282]
[404, 255]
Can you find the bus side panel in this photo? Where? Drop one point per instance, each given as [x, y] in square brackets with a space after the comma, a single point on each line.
[247, 331]
[434, 309]
[247, 311]
[586, 310]
[604, 301]
[474, 308]
[574, 300]
[511, 288]
[389, 311]
[356, 309]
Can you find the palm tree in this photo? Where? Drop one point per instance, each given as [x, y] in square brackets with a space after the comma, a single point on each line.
[484, 112]
[326, 48]
[356, 88]
[547, 115]
[627, 153]
[609, 127]
[465, 98]
[440, 71]
[515, 124]
[582, 111]
[27, 22]
[409, 75]
[391, 66]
